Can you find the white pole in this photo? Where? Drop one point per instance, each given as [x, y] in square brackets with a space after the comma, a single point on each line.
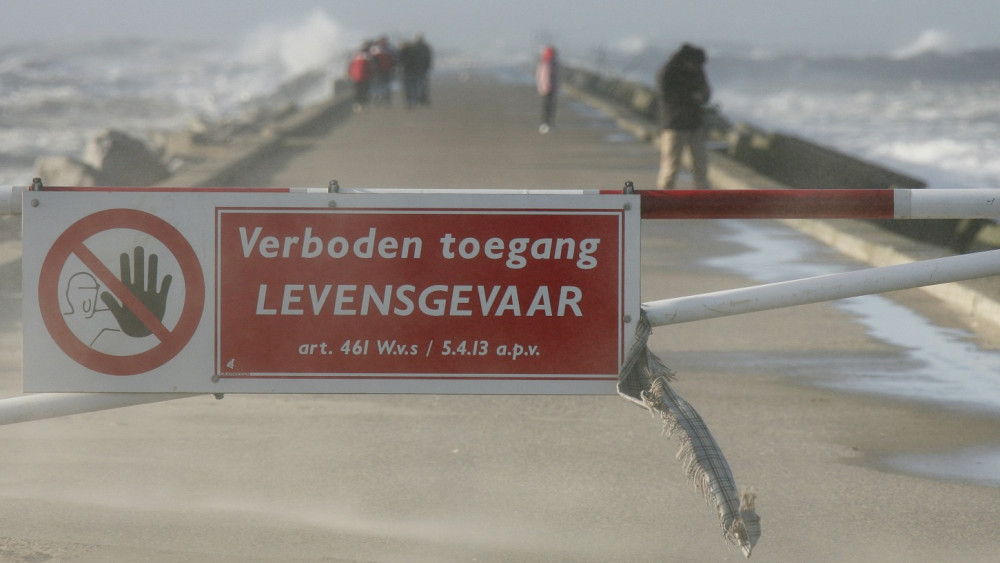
[50, 405]
[10, 199]
[947, 204]
[822, 288]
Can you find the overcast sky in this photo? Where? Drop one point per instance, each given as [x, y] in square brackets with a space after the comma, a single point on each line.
[837, 26]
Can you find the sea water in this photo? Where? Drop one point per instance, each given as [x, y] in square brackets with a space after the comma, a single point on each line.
[936, 117]
[55, 95]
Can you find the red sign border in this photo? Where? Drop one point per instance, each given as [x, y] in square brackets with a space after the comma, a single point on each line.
[48, 291]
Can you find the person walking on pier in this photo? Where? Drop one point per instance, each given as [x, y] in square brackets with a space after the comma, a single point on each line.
[417, 61]
[383, 64]
[684, 91]
[359, 70]
[547, 81]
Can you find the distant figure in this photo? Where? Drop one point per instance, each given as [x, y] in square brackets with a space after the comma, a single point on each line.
[684, 91]
[383, 60]
[359, 70]
[423, 61]
[547, 80]
[408, 72]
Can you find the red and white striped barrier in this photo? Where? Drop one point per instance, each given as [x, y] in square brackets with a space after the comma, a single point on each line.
[821, 204]
[687, 204]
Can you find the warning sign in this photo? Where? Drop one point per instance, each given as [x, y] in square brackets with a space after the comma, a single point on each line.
[299, 293]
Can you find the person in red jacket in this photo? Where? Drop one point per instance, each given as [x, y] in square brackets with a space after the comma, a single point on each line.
[383, 66]
[359, 70]
[547, 81]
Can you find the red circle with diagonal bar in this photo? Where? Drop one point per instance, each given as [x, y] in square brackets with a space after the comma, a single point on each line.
[171, 340]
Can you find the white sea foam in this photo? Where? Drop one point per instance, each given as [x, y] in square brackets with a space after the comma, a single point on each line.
[304, 47]
[55, 97]
[929, 41]
[941, 128]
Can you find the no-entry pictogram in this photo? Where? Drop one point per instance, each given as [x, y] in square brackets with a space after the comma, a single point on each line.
[137, 297]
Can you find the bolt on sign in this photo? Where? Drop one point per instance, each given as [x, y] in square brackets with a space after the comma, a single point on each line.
[250, 292]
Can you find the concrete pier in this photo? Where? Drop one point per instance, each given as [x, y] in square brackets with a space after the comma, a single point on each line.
[505, 478]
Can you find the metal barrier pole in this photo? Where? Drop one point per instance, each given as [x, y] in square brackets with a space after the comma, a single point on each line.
[823, 288]
[50, 405]
[10, 199]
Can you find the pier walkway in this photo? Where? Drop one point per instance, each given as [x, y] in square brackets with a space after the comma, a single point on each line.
[519, 478]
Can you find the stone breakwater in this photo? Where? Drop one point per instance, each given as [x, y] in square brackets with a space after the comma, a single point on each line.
[214, 159]
[198, 156]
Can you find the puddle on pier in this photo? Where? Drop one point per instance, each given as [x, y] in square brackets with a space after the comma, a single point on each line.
[939, 365]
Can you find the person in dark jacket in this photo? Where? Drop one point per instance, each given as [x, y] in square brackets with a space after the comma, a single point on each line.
[684, 91]
[423, 61]
[415, 61]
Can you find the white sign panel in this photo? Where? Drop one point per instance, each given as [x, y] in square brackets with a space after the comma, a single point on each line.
[218, 292]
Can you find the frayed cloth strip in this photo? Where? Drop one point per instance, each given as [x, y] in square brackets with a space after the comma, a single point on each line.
[644, 380]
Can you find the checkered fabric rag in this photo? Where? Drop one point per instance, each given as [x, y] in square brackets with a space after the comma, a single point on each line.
[644, 381]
